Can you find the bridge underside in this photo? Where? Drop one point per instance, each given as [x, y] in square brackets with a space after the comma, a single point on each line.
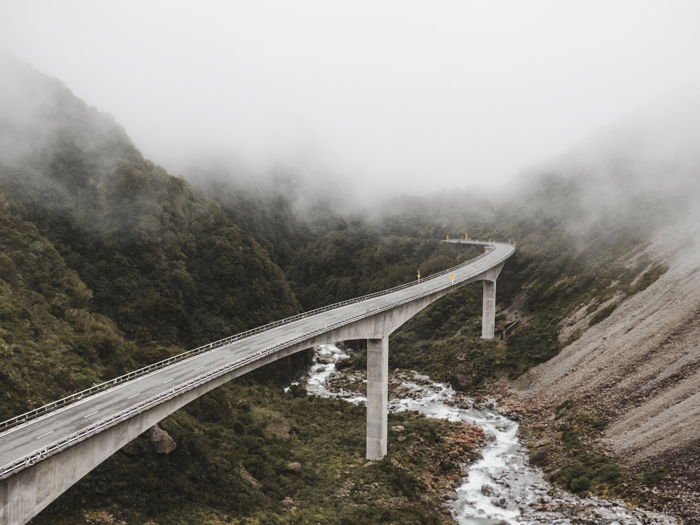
[30, 490]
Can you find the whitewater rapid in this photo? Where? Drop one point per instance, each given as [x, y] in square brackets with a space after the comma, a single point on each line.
[501, 488]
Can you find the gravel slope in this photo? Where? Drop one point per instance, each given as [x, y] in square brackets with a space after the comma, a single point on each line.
[641, 367]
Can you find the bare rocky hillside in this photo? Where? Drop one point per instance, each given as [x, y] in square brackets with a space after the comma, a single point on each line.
[640, 367]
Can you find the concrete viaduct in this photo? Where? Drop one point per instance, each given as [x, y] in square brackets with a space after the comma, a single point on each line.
[45, 451]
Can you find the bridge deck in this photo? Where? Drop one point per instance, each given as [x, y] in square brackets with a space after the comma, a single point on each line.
[36, 435]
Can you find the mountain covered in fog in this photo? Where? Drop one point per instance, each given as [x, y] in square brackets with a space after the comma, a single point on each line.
[108, 262]
[631, 353]
[603, 291]
[145, 244]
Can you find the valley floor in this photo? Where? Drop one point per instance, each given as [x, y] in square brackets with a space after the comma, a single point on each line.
[502, 487]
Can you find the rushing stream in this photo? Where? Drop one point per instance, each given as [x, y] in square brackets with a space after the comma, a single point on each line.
[500, 488]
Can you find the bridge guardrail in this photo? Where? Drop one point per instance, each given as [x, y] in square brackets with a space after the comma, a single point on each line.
[82, 434]
[68, 400]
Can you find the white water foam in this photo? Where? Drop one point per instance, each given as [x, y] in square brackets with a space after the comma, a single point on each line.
[501, 487]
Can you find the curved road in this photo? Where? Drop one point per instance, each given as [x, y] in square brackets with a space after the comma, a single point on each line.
[41, 434]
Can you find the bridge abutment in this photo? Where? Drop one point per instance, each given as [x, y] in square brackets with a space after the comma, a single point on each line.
[377, 397]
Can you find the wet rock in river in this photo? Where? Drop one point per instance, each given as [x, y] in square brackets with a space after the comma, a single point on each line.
[490, 491]
[503, 488]
[499, 502]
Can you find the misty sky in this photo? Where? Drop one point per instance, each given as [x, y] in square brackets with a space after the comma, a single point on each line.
[406, 96]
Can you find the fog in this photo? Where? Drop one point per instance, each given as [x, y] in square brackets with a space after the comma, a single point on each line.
[641, 172]
[386, 96]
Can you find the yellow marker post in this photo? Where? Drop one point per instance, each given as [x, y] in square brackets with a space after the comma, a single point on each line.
[452, 278]
[418, 275]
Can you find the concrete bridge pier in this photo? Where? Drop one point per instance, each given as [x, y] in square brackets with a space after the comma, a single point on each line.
[488, 317]
[377, 397]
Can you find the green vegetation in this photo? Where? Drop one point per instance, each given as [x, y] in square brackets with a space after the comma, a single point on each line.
[571, 459]
[250, 447]
[50, 343]
[107, 262]
[164, 263]
[655, 477]
[649, 277]
[602, 314]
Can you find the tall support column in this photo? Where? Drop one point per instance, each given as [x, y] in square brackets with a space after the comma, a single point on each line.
[377, 397]
[488, 317]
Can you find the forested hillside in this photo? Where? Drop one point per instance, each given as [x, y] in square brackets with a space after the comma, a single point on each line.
[51, 344]
[335, 256]
[107, 262]
[164, 263]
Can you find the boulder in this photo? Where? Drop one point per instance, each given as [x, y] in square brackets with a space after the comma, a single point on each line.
[162, 442]
[293, 466]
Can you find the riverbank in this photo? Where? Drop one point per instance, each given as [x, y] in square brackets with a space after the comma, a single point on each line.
[566, 443]
[501, 487]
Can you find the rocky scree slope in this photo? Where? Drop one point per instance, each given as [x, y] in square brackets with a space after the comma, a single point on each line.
[631, 354]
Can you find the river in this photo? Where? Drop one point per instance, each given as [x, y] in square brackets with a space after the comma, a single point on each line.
[501, 488]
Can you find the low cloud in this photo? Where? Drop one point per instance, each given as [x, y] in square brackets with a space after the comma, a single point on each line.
[411, 97]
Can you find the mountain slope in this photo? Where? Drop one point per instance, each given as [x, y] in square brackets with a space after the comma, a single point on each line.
[51, 344]
[630, 351]
[166, 264]
[641, 364]
[108, 262]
